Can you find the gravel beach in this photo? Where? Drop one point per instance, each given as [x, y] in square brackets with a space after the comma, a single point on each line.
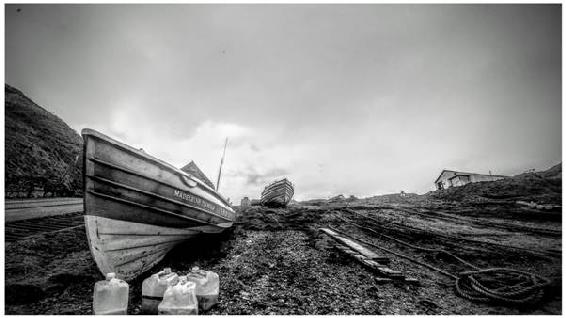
[276, 261]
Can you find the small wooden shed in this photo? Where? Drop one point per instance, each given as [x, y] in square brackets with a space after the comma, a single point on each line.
[450, 178]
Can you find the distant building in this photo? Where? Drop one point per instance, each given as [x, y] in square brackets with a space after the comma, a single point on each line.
[337, 198]
[245, 202]
[449, 179]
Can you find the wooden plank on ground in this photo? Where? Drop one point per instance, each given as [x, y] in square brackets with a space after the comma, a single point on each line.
[374, 262]
[352, 245]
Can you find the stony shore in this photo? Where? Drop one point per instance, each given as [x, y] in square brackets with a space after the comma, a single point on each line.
[273, 262]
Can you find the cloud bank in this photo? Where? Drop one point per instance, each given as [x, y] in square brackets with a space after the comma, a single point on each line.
[352, 99]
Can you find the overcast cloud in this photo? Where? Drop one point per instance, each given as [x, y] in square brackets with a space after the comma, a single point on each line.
[351, 99]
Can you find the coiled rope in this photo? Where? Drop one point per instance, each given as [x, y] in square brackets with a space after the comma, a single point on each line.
[494, 285]
[503, 285]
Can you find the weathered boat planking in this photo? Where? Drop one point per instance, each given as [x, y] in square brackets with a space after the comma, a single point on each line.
[278, 193]
[137, 207]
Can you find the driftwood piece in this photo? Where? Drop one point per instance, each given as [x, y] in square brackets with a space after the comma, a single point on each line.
[352, 245]
[368, 258]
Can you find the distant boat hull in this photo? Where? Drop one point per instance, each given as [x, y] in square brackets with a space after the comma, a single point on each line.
[137, 207]
[277, 194]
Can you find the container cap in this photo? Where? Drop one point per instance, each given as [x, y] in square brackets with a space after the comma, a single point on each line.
[110, 276]
[194, 269]
[167, 270]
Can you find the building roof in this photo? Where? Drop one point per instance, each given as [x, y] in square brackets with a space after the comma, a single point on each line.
[192, 169]
[458, 173]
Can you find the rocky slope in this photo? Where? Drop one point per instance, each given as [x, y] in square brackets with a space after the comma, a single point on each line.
[42, 151]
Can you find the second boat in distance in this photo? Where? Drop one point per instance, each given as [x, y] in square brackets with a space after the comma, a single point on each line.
[278, 193]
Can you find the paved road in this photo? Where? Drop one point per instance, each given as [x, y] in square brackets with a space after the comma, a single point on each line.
[17, 210]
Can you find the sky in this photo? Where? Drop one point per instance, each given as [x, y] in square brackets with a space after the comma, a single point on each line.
[340, 99]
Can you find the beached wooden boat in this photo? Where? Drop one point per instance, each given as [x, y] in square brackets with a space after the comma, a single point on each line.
[137, 207]
[278, 193]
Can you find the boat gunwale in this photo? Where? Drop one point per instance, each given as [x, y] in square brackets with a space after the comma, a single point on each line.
[267, 192]
[132, 172]
[173, 201]
[278, 186]
[143, 206]
[285, 180]
[286, 189]
[93, 133]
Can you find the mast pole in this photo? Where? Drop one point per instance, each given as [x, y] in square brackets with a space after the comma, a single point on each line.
[221, 162]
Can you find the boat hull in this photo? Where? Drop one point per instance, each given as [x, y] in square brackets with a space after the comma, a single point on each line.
[137, 208]
[277, 194]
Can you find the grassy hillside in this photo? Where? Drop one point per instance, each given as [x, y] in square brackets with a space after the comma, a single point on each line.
[41, 150]
[543, 187]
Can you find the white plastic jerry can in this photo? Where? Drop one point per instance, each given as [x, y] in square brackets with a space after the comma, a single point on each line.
[208, 287]
[110, 296]
[154, 287]
[179, 299]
